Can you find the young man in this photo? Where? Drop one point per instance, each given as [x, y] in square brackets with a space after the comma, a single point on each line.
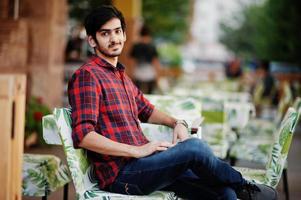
[106, 111]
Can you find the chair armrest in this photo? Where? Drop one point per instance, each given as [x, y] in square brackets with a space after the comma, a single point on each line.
[50, 130]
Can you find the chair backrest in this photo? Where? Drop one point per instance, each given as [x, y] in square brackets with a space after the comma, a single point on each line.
[237, 115]
[285, 101]
[297, 106]
[297, 103]
[179, 107]
[79, 166]
[50, 130]
[281, 147]
[157, 132]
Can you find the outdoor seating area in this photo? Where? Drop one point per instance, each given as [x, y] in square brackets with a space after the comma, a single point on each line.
[269, 148]
[228, 123]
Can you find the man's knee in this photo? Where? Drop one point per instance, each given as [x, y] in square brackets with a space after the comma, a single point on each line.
[193, 142]
[195, 146]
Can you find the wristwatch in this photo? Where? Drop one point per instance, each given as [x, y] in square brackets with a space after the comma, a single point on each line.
[183, 122]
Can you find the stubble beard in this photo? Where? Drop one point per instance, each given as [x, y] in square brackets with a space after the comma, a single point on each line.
[105, 52]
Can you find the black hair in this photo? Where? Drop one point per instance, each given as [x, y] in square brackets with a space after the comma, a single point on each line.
[101, 15]
[145, 31]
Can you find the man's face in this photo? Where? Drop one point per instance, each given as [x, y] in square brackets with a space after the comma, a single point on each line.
[110, 39]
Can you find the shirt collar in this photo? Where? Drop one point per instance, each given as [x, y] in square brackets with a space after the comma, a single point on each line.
[103, 63]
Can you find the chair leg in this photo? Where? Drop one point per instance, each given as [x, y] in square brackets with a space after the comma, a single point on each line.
[66, 191]
[285, 184]
[44, 197]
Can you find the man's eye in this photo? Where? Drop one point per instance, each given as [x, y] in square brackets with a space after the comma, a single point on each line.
[118, 31]
[104, 33]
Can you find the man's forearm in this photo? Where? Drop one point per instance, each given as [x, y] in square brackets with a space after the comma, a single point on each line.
[100, 144]
[158, 117]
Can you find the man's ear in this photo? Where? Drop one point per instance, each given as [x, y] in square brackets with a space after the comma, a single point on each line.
[91, 41]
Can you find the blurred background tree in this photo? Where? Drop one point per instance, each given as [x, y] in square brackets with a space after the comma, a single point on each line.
[241, 37]
[284, 40]
[271, 31]
[168, 20]
[78, 9]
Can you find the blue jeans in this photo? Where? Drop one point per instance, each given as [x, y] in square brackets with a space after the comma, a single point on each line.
[189, 169]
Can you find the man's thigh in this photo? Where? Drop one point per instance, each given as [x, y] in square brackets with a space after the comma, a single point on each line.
[180, 154]
[158, 170]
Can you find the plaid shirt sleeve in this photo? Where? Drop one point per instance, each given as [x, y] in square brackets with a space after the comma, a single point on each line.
[145, 108]
[83, 93]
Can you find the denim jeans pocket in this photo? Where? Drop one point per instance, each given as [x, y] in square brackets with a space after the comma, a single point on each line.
[125, 188]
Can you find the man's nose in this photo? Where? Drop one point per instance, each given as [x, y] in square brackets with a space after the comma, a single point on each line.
[113, 37]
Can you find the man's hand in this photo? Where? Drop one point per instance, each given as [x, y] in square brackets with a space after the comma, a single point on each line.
[150, 148]
[180, 132]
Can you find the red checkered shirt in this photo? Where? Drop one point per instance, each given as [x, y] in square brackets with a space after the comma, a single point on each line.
[105, 100]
